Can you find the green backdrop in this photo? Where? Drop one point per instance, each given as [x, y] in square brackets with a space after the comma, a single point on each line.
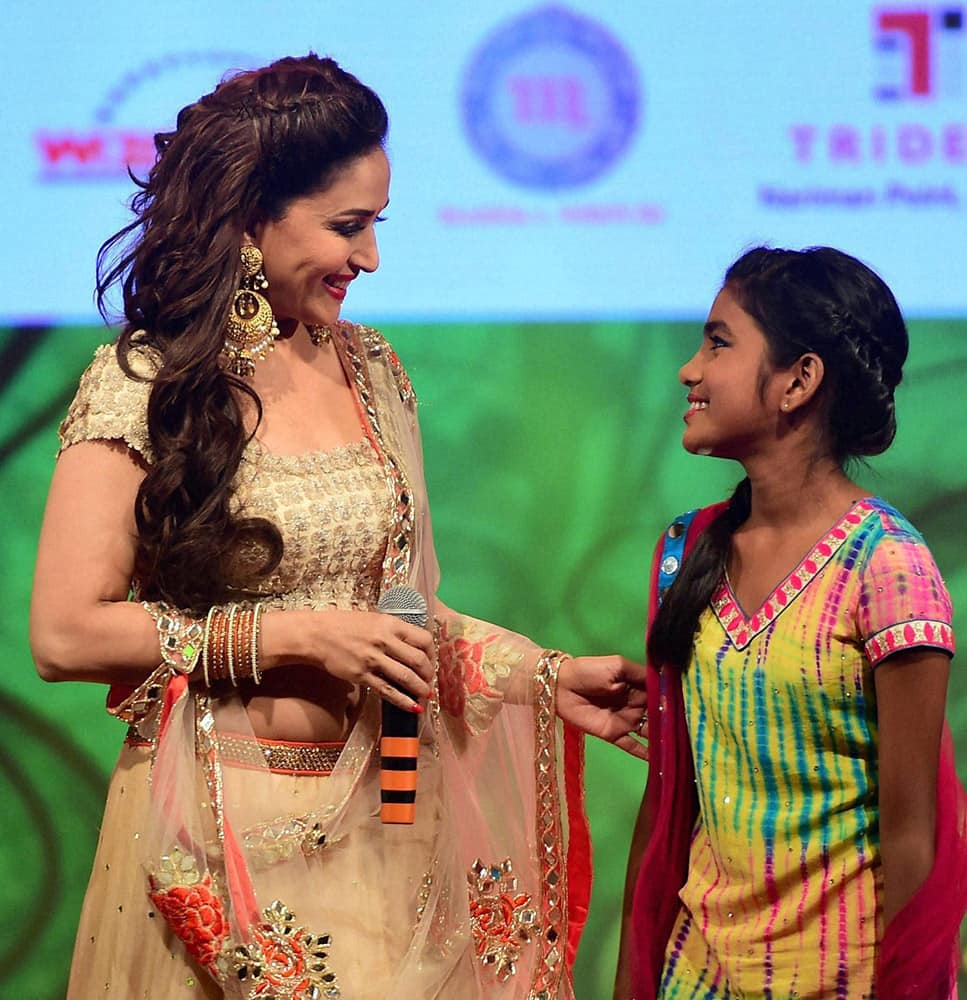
[553, 462]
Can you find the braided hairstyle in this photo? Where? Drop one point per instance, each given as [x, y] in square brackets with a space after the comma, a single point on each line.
[819, 301]
[237, 157]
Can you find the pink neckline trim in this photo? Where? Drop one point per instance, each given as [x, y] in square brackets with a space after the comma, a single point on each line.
[741, 630]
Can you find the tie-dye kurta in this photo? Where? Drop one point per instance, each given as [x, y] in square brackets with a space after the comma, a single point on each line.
[781, 896]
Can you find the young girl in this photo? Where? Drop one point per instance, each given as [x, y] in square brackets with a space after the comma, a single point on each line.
[802, 833]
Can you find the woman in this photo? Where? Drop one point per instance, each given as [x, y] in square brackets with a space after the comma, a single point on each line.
[259, 503]
[803, 831]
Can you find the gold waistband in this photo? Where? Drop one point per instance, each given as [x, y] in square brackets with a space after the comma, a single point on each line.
[278, 755]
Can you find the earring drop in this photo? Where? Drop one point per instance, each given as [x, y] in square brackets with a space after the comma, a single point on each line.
[251, 328]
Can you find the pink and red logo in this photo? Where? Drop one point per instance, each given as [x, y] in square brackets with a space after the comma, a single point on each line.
[121, 136]
[919, 52]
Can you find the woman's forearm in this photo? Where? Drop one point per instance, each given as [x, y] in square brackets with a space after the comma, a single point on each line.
[111, 642]
[117, 642]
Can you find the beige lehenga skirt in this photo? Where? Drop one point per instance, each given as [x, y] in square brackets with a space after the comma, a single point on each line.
[125, 949]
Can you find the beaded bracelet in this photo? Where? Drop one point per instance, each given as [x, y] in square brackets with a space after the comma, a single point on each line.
[256, 631]
[205, 646]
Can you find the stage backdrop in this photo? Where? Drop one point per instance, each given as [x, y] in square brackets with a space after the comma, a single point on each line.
[596, 159]
[553, 460]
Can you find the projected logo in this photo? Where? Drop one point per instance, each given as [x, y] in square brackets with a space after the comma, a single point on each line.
[551, 100]
[127, 117]
[919, 52]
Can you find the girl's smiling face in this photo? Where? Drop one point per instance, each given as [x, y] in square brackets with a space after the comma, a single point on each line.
[735, 393]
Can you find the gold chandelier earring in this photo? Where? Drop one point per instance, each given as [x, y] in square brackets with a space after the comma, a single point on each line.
[251, 328]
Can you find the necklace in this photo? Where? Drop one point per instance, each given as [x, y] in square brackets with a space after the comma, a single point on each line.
[319, 335]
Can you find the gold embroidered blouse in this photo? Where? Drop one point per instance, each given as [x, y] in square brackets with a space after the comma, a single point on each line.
[333, 508]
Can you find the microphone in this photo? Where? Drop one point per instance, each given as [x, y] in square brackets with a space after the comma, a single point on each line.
[399, 745]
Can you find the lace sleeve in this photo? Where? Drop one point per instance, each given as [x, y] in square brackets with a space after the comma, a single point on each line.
[110, 406]
[481, 666]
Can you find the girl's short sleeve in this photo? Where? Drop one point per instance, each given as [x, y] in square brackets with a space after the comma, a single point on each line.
[903, 601]
[109, 405]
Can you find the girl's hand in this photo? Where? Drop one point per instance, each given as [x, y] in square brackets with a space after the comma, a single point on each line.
[365, 648]
[605, 696]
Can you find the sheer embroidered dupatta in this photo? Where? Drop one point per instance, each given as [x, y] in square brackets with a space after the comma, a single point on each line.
[291, 887]
[512, 774]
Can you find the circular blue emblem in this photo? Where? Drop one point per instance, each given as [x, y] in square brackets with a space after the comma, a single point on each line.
[551, 100]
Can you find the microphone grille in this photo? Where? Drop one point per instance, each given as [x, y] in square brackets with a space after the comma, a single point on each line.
[406, 603]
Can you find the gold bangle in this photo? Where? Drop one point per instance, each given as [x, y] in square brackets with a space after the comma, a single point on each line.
[241, 643]
[256, 628]
[204, 646]
[229, 646]
[219, 658]
[231, 630]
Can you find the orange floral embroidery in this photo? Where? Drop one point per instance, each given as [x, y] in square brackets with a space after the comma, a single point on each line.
[190, 906]
[500, 918]
[461, 671]
[282, 961]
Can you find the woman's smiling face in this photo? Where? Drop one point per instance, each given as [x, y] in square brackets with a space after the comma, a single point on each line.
[323, 241]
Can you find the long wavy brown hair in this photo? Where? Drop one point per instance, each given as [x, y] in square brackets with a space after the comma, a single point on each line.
[237, 157]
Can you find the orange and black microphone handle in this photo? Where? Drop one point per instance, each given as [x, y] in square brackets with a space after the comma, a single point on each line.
[399, 750]
[399, 747]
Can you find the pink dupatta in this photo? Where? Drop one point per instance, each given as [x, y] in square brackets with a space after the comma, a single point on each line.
[920, 952]
[670, 798]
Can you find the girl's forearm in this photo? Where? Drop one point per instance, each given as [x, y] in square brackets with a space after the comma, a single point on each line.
[907, 860]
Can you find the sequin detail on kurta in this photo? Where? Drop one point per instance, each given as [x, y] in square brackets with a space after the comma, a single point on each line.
[781, 898]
